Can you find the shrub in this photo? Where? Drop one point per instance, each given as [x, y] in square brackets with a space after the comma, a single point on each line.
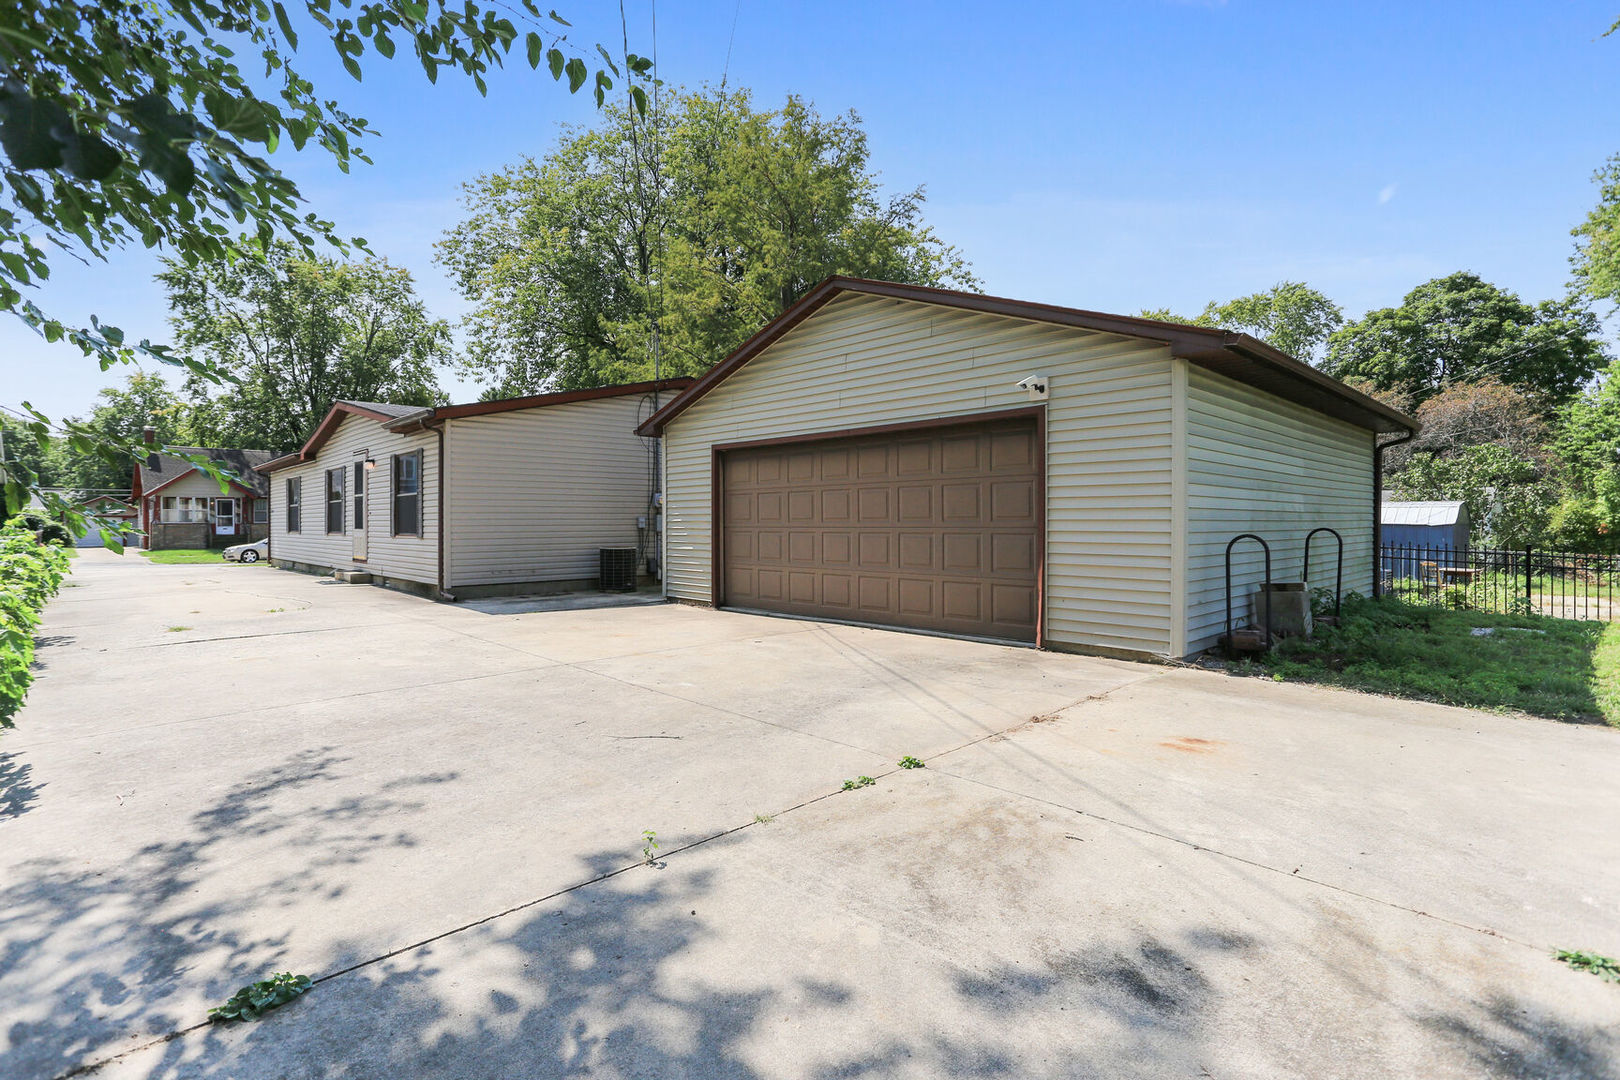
[30, 574]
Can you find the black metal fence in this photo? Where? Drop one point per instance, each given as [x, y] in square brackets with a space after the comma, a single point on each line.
[1563, 584]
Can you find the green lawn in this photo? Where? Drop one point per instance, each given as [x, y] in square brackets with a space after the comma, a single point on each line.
[181, 556]
[1558, 668]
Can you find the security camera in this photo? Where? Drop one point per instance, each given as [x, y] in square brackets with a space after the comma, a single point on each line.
[1035, 386]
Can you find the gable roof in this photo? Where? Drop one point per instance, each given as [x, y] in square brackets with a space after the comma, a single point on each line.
[1420, 513]
[159, 469]
[1236, 356]
[403, 418]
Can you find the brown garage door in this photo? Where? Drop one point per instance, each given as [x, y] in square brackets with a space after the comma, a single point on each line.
[935, 529]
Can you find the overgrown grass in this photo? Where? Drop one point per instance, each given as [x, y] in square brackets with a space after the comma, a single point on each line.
[1558, 668]
[183, 556]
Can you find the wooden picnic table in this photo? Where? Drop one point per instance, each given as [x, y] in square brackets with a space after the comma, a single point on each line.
[1458, 575]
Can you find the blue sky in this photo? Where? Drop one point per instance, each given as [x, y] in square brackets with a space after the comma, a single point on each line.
[1109, 155]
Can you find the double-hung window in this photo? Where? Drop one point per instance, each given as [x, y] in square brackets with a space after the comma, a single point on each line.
[295, 504]
[334, 500]
[408, 494]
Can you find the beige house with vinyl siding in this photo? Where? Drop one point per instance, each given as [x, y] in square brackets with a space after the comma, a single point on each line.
[481, 499]
[936, 460]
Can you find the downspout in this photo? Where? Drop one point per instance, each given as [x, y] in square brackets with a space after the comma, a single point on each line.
[444, 473]
[1378, 507]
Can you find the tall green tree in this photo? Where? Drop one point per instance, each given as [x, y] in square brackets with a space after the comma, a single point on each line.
[1596, 261]
[127, 123]
[144, 400]
[708, 218]
[296, 334]
[24, 459]
[1461, 329]
[1290, 316]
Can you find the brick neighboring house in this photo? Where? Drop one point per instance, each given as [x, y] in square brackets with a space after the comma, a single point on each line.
[181, 506]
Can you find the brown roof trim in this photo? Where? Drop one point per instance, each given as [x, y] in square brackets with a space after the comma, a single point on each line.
[1236, 356]
[560, 397]
[279, 463]
[427, 416]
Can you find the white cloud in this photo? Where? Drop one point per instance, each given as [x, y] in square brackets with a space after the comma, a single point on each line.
[1386, 193]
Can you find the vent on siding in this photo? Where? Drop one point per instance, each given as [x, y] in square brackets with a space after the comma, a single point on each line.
[617, 569]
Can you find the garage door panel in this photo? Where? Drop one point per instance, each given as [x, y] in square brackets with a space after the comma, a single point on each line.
[836, 506]
[873, 504]
[914, 457]
[916, 596]
[1012, 553]
[875, 550]
[917, 551]
[934, 530]
[872, 461]
[837, 548]
[963, 600]
[960, 502]
[770, 585]
[916, 502]
[1010, 605]
[837, 590]
[802, 586]
[874, 593]
[1012, 501]
[963, 552]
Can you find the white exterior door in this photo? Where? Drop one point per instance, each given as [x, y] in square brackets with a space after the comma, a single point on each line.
[359, 490]
[225, 517]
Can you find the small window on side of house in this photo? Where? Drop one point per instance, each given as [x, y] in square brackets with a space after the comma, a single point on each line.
[407, 494]
[261, 512]
[334, 500]
[295, 508]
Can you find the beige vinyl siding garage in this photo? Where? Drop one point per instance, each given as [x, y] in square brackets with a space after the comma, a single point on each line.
[534, 493]
[1256, 463]
[866, 361]
[404, 558]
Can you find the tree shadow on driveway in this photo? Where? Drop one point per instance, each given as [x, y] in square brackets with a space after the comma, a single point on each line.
[92, 955]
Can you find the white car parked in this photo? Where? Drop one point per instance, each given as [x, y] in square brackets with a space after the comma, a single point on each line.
[259, 549]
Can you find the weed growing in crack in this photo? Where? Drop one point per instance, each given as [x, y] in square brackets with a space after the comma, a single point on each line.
[253, 1001]
[909, 762]
[858, 782]
[649, 845]
[1606, 968]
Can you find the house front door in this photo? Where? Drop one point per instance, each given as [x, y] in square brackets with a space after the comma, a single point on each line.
[225, 517]
[359, 489]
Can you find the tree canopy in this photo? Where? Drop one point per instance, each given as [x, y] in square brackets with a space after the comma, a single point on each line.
[1596, 261]
[1460, 328]
[296, 334]
[125, 123]
[1290, 316]
[706, 219]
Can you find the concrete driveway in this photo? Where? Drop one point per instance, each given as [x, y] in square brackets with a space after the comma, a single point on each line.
[1106, 869]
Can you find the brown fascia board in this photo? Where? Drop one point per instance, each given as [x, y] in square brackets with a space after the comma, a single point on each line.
[429, 417]
[1236, 356]
[323, 431]
[281, 462]
[538, 401]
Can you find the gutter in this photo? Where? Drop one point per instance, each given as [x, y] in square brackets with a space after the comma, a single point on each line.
[1378, 506]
